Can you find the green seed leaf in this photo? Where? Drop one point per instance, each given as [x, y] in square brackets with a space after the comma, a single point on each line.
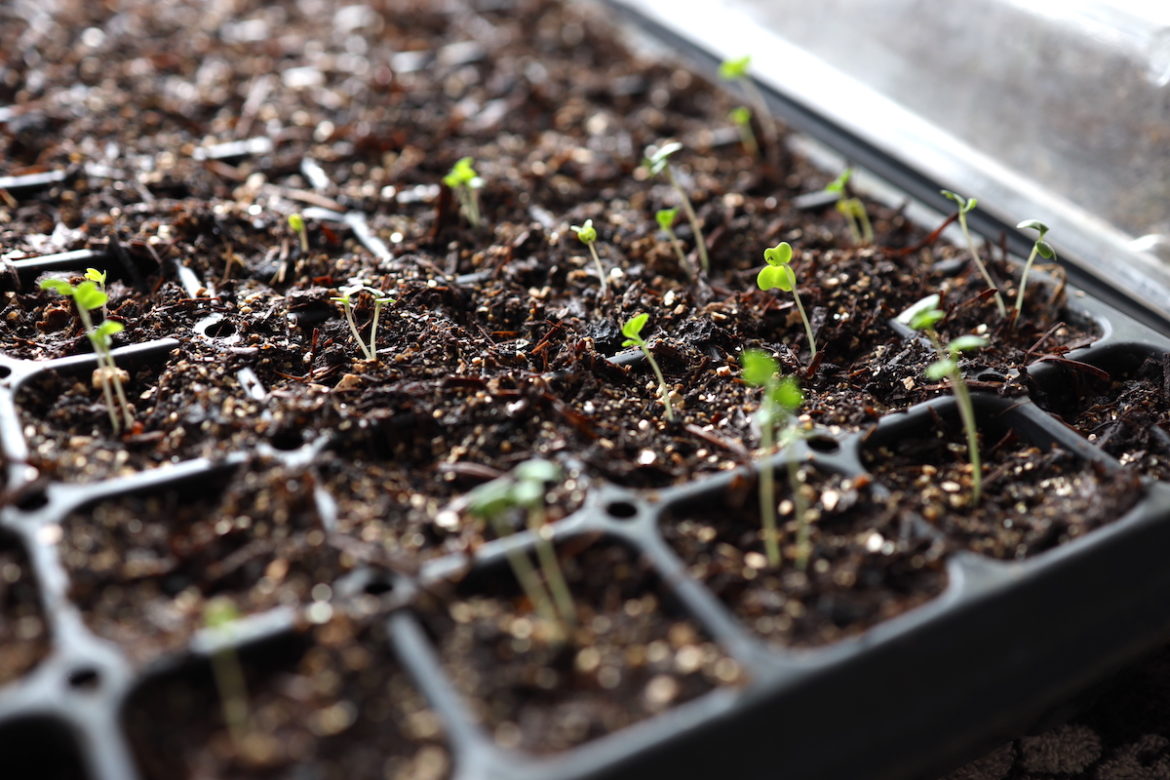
[632, 330]
[538, 470]
[109, 328]
[929, 302]
[220, 612]
[788, 394]
[1045, 250]
[838, 184]
[95, 276]
[586, 233]
[966, 344]
[528, 493]
[926, 319]
[657, 158]
[759, 368]
[295, 221]
[940, 369]
[740, 115]
[773, 277]
[88, 296]
[491, 498]
[1033, 224]
[735, 68]
[463, 175]
[781, 254]
[965, 205]
[58, 286]
[666, 218]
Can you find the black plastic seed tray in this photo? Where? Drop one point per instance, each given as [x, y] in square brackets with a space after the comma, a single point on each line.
[1003, 641]
[998, 645]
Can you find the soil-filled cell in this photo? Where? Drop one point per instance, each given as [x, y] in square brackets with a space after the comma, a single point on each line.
[627, 654]
[1036, 493]
[143, 565]
[22, 625]
[332, 703]
[852, 560]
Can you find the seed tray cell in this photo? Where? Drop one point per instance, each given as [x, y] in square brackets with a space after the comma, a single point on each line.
[909, 641]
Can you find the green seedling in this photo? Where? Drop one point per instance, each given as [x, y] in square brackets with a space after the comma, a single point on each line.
[587, 235]
[852, 208]
[524, 489]
[778, 425]
[741, 117]
[466, 184]
[736, 70]
[1039, 247]
[778, 275]
[666, 219]
[924, 316]
[88, 296]
[99, 280]
[221, 616]
[966, 206]
[632, 330]
[347, 299]
[656, 161]
[297, 223]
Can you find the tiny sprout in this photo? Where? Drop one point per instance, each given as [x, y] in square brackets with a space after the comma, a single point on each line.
[778, 406]
[966, 206]
[466, 183]
[88, 296]
[736, 70]
[297, 223]
[221, 615]
[587, 235]
[656, 161]
[1039, 247]
[524, 488]
[666, 219]
[778, 274]
[924, 316]
[346, 299]
[741, 117]
[632, 330]
[852, 208]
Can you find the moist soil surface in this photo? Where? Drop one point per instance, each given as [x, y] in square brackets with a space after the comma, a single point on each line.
[175, 140]
[866, 562]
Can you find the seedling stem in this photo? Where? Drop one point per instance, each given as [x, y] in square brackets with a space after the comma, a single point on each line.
[656, 161]
[778, 275]
[632, 330]
[965, 206]
[587, 235]
[1039, 247]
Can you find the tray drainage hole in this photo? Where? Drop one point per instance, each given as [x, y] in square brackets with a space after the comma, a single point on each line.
[287, 440]
[5, 372]
[824, 444]
[221, 329]
[991, 376]
[379, 587]
[31, 502]
[84, 678]
[622, 510]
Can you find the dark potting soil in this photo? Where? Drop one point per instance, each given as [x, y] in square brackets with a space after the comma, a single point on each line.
[629, 654]
[329, 702]
[26, 639]
[866, 561]
[1122, 406]
[495, 350]
[1033, 497]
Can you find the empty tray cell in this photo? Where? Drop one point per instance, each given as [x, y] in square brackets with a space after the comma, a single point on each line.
[630, 653]
[865, 562]
[22, 625]
[332, 703]
[1117, 398]
[1037, 493]
[40, 747]
[142, 564]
